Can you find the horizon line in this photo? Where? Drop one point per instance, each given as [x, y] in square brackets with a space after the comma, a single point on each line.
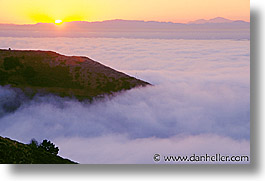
[100, 21]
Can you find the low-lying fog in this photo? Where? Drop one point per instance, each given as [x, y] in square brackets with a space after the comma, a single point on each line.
[200, 102]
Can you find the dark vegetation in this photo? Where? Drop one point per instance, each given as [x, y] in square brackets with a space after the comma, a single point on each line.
[13, 152]
[49, 72]
[46, 145]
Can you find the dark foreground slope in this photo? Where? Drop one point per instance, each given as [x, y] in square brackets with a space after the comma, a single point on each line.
[72, 76]
[13, 152]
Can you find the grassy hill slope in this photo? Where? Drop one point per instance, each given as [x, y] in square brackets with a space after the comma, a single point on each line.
[13, 152]
[72, 76]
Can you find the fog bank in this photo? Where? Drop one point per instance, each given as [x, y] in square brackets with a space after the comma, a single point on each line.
[200, 102]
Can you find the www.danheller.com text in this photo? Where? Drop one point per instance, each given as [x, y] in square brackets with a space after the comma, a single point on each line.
[201, 158]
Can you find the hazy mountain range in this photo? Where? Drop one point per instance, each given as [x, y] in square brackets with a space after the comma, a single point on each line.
[214, 20]
[217, 28]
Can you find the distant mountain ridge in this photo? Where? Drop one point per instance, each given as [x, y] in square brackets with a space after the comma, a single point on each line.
[200, 21]
[216, 28]
[214, 20]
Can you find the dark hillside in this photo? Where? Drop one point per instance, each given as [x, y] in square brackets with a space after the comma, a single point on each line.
[13, 152]
[49, 72]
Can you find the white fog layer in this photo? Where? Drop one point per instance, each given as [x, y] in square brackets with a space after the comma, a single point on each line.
[200, 101]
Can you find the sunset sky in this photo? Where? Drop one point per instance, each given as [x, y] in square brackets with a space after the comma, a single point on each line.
[181, 11]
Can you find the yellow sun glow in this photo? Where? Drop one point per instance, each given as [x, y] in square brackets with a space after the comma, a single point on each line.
[58, 22]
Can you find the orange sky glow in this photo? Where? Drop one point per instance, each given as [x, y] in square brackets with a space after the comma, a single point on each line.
[178, 11]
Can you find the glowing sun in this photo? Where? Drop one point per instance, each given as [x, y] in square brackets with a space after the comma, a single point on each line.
[58, 22]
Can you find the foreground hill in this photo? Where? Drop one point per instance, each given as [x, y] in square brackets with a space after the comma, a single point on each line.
[13, 152]
[45, 72]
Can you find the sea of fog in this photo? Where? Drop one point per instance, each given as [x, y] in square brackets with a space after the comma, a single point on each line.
[200, 102]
